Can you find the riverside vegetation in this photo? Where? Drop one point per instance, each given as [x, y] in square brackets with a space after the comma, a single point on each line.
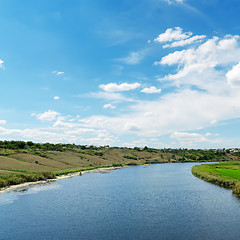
[28, 162]
[225, 174]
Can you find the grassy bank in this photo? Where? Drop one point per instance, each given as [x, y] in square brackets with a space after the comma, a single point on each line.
[225, 174]
[14, 178]
[27, 161]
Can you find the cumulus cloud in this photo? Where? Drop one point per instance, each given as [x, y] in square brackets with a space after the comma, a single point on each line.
[203, 66]
[203, 98]
[203, 77]
[233, 76]
[185, 110]
[172, 35]
[109, 106]
[60, 135]
[50, 115]
[151, 90]
[114, 87]
[63, 129]
[184, 42]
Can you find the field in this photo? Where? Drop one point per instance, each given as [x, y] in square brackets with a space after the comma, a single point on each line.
[225, 174]
[27, 161]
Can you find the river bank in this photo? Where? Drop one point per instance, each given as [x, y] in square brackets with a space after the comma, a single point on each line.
[66, 174]
[26, 185]
[226, 175]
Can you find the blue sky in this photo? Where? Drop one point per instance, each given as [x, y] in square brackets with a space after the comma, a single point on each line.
[161, 73]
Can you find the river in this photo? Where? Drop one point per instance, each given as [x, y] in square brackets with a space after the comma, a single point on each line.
[162, 201]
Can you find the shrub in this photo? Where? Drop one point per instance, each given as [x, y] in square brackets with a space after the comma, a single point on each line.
[3, 183]
[117, 165]
[132, 164]
[154, 161]
[129, 157]
[98, 153]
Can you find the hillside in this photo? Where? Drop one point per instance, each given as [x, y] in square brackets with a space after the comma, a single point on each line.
[27, 161]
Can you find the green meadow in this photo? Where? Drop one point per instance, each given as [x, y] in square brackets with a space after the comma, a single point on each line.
[225, 174]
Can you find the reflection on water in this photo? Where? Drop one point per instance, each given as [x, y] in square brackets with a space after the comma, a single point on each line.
[11, 196]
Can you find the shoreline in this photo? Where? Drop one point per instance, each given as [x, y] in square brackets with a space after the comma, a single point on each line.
[228, 183]
[26, 185]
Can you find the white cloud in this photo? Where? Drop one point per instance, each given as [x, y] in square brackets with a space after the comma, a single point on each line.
[188, 41]
[171, 58]
[91, 131]
[110, 96]
[230, 42]
[60, 135]
[60, 124]
[3, 121]
[185, 110]
[1, 64]
[57, 73]
[133, 58]
[109, 106]
[190, 140]
[198, 66]
[56, 98]
[173, 1]
[47, 116]
[208, 134]
[132, 127]
[233, 76]
[203, 68]
[114, 87]
[60, 73]
[214, 121]
[172, 35]
[184, 136]
[203, 75]
[151, 90]
[211, 134]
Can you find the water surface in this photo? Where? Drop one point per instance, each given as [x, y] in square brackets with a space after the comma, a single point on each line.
[162, 201]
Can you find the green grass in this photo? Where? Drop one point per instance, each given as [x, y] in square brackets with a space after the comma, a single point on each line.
[225, 174]
[14, 179]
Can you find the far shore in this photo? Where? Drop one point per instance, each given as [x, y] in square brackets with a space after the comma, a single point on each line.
[23, 186]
